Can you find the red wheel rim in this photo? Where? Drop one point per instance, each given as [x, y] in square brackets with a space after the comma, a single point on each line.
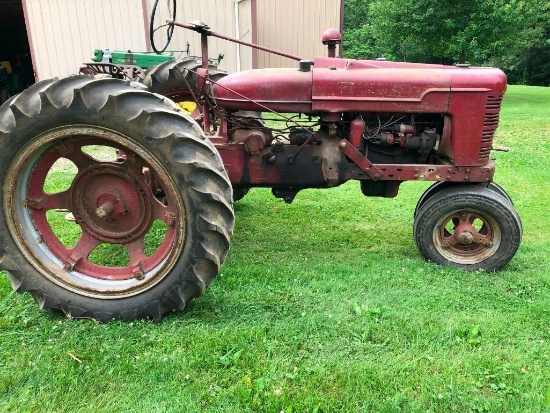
[467, 236]
[114, 202]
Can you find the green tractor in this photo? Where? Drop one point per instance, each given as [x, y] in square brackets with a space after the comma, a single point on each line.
[161, 73]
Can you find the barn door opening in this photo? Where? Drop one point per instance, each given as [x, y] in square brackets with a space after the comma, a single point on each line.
[16, 70]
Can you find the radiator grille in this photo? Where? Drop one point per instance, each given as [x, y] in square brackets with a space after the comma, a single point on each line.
[492, 109]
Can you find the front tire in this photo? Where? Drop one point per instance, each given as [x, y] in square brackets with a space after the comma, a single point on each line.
[439, 186]
[469, 227]
[152, 226]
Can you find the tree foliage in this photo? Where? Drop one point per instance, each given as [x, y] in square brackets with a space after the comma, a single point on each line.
[511, 34]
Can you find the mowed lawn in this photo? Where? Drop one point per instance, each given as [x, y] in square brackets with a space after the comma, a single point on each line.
[324, 305]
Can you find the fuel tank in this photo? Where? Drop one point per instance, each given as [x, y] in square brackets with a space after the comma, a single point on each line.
[282, 90]
[344, 85]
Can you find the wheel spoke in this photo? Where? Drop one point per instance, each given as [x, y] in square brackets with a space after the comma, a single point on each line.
[465, 218]
[85, 245]
[136, 251]
[79, 158]
[449, 241]
[137, 257]
[59, 200]
[165, 213]
[485, 240]
[134, 163]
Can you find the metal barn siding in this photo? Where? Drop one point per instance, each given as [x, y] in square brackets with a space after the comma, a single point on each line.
[244, 20]
[294, 27]
[222, 17]
[64, 33]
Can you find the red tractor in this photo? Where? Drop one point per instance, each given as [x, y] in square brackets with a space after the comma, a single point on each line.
[99, 169]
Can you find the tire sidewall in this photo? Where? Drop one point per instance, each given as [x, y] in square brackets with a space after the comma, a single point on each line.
[487, 202]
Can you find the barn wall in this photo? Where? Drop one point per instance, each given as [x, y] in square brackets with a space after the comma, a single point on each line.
[245, 32]
[64, 33]
[294, 27]
[221, 16]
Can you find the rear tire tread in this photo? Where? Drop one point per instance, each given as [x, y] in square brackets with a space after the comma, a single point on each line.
[202, 174]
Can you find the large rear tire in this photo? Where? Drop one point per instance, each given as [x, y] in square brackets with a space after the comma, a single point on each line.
[152, 225]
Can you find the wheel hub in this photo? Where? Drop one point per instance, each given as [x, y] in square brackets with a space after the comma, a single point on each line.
[111, 203]
[465, 238]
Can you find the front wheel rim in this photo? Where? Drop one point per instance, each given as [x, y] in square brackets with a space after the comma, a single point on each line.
[467, 236]
[126, 199]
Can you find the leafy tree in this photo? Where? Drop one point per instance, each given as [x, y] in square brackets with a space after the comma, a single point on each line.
[526, 58]
[356, 13]
[458, 30]
[359, 38]
[511, 34]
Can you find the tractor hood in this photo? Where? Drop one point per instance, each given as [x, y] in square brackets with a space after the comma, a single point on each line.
[282, 90]
[344, 85]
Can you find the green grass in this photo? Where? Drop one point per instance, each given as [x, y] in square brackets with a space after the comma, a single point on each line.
[324, 305]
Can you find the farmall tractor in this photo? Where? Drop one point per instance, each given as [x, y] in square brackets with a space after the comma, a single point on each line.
[95, 168]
